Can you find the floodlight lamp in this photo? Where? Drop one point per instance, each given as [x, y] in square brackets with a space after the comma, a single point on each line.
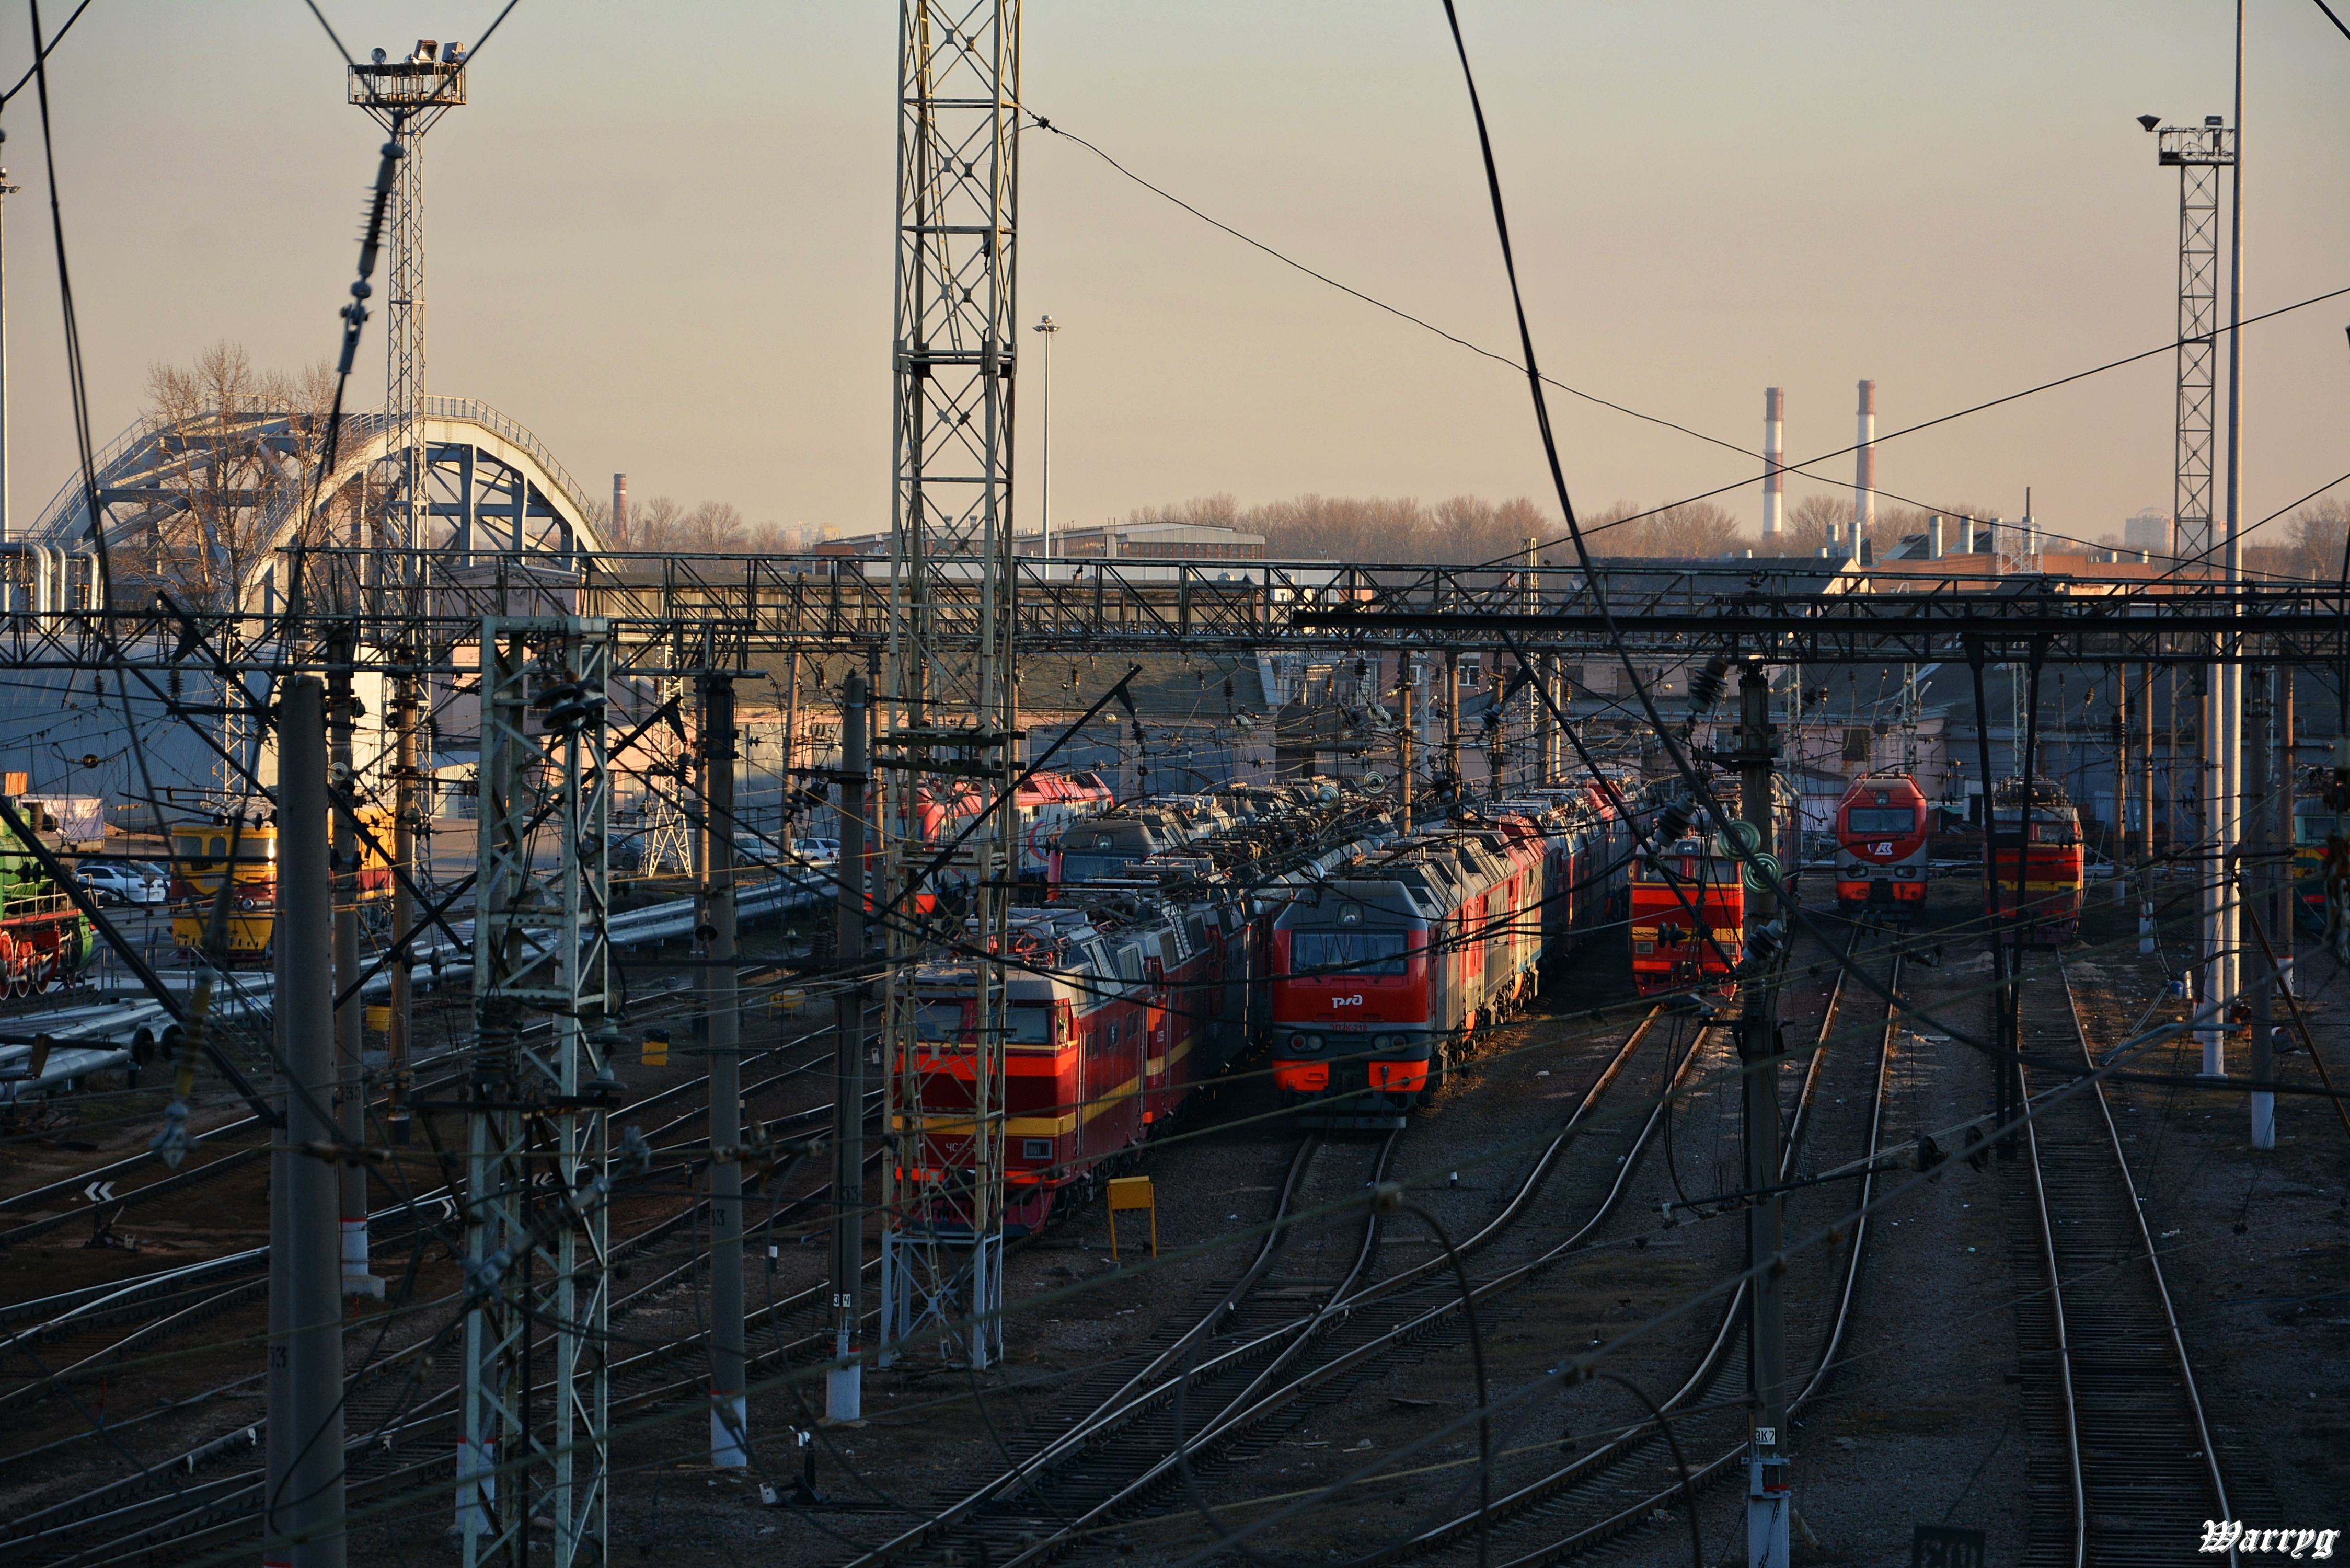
[2149, 121]
[426, 48]
[452, 53]
[2215, 121]
[378, 56]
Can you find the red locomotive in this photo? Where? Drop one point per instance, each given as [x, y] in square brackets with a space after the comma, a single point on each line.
[2038, 833]
[1688, 915]
[1127, 995]
[1880, 828]
[1382, 973]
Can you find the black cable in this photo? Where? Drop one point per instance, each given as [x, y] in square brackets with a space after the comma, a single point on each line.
[1800, 468]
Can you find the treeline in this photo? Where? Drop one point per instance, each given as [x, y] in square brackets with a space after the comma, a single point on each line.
[660, 525]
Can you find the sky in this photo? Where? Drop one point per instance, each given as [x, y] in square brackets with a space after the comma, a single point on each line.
[661, 239]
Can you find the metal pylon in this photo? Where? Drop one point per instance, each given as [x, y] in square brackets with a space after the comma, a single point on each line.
[408, 98]
[949, 695]
[2199, 153]
[537, 1253]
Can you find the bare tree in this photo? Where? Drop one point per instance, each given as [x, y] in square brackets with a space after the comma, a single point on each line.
[235, 448]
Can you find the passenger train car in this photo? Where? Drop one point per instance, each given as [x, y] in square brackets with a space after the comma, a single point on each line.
[1131, 991]
[2038, 833]
[1881, 835]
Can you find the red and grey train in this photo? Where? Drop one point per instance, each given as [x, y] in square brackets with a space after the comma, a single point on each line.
[1382, 971]
[1881, 837]
[1132, 989]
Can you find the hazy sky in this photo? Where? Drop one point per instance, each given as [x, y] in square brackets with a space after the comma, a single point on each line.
[661, 238]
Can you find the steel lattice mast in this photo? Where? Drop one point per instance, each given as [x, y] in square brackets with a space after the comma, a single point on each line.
[538, 1264]
[950, 705]
[408, 98]
[2199, 153]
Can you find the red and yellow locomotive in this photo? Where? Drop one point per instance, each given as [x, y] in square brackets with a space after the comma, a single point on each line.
[1881, 835]
[2035, 835]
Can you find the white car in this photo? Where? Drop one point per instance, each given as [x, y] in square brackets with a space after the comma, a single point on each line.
[816, 849]
[119, 884]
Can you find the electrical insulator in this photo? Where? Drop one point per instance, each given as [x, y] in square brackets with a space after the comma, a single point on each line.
[1705, 687]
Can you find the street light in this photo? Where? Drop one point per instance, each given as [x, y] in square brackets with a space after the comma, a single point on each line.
[1045, 396]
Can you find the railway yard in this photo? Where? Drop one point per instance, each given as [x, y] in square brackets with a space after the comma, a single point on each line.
[1297, 1365]
[1322, 1030]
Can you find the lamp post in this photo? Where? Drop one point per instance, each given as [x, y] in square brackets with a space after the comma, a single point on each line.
[1044, 395]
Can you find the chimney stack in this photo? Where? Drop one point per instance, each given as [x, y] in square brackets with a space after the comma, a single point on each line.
[1934, 538]
[1864, 480]
[620, 509]
[1774, 467]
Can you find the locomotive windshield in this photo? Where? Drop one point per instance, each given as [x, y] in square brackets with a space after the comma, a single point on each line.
[1879, 819]
[1353, 951]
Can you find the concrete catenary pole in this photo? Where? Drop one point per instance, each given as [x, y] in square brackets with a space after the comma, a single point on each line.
[400, 715]
[1775, 465]
[1864, 476]
[304, 1502]
[730, 1437]
[2252, 895]
[1767, 1495]
[844, 1389]
[1452, 724]
[1406, 732]
[350, 1016]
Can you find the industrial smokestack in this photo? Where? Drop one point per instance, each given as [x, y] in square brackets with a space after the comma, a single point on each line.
[1774, 469]
[1934, 538]
[620, 509]
[1864, 479]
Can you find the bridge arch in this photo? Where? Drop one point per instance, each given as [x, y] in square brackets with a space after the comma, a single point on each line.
[489, 487]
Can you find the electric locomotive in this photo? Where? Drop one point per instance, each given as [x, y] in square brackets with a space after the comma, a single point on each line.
[1127, 994]
[1689, 914]
[2317, 830]
[1880, 828]
[1381, 972]
[2036, 833]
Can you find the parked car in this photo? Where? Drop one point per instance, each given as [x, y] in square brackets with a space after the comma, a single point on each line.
[111, 883]
[816, 849]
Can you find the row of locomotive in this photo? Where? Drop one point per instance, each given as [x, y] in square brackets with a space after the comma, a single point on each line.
[2033, 854]
[1383, 971]
[1128, 989]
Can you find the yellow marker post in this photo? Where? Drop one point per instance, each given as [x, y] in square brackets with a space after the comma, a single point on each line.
[1132, 1192]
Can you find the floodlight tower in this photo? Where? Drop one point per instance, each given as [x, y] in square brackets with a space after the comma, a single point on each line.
[949, 708]
[2199, 153]
[408, 98]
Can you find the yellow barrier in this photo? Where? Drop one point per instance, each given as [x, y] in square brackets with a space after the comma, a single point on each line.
[656, 1048]
[1132, 1192]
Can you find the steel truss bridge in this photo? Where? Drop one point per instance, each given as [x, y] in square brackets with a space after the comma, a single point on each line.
[676, 613]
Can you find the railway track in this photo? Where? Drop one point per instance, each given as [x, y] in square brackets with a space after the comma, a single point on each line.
[164, 1182]
[1612, 1490]
[80, 1336]
[2124, 1468]
[1285, 1332]
[406, 1405]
